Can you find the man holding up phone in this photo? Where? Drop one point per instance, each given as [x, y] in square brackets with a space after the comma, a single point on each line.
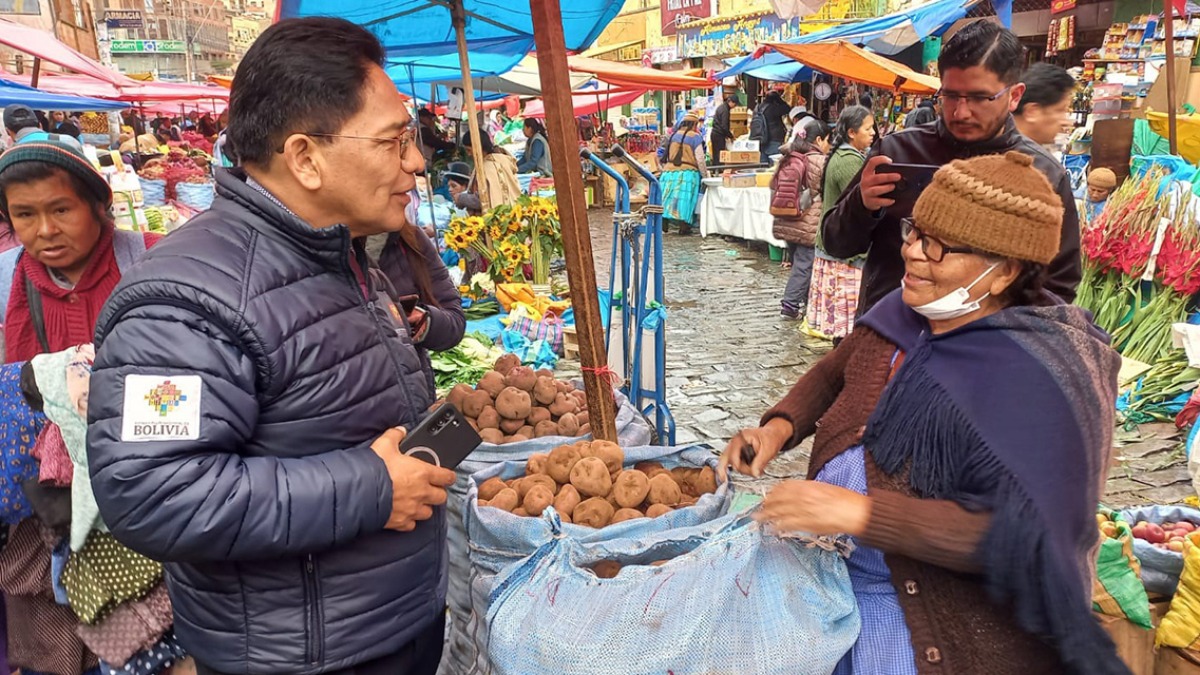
[251, 381]
[980, 68]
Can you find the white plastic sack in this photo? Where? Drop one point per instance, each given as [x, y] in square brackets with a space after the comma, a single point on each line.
[729, 600]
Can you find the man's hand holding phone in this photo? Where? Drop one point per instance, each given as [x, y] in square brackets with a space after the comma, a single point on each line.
[417, 486]
[875, 187]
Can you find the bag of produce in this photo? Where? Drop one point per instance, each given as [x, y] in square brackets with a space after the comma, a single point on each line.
[1158, 540]
[720, 597]
[495, 538]
[1180, 626]
[198, 196]
[1117, 588]
[154, 191]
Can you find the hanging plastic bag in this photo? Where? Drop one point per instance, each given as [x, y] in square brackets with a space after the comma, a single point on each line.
[694, 600]
[1180, 627]
[1117, 588]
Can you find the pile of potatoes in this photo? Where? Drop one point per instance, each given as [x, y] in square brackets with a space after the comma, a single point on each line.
[515, 403]
[588, 484]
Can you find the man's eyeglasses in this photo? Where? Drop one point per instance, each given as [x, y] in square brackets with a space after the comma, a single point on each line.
[403, 141]
[934, 249]
[972, 100]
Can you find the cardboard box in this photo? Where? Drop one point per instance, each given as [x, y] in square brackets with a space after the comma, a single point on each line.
[740, 180]
[1135, 645]
[739, 157]
[744, 145]
[1173, 661]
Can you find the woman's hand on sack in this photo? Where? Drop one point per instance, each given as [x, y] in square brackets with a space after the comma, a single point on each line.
[750, 450]
[816, 508]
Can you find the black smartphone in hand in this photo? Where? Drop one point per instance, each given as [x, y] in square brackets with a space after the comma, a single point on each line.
[444, 438]
[914, 178]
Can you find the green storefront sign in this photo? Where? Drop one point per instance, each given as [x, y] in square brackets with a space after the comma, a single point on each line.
[148, 47]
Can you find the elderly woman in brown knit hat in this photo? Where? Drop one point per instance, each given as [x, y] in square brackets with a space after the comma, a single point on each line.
[1100, 185]
[962, 436]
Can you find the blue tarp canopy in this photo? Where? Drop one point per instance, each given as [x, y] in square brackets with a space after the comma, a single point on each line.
[889, 34]
[419, 36]
[11, 92]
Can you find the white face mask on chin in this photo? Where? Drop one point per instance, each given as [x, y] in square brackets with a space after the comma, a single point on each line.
[957, 303]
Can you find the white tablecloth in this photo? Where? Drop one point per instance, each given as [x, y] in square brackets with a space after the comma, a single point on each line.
[739, 212]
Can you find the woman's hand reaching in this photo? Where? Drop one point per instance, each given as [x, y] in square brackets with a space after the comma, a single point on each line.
[816, 508]
[750, 450]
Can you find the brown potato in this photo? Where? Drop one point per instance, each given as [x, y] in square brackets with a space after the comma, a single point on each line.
[490, 488]
[513, 404]
[537, 499]
[506, 363]
[545, 373]
[505, 500]
[492, 382]
[544, 429]
[489, 418]
[585, 429]
[625, 514]
[517, 438]
[474, 424]
[580, 397]
[521, 377]
[651, 469]
[705, 482]
[520, 512]
[562, 405]
[459, 394]
[568, 425]
[538, 414]
[565, 518]
[493, 436]
[594, 512]
[544, 392]
[606, 569]
[536, 464]
[475, 402]
[610, 453]
[533, 480]
[657, 510]
[511, 426]
[566, 500]
[631, 488]
[526, 431]
[583, 417]
[663, 490]
[591, 477]
[563, 387]
[562, 460]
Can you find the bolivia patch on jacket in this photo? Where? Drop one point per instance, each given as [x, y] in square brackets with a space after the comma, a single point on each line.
[161, 408]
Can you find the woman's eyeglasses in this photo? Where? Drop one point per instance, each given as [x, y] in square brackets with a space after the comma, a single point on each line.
[934, 249]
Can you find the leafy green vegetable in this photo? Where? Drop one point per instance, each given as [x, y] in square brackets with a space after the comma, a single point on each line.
[465, 364]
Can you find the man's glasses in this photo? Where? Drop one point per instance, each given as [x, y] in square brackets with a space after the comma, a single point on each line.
[403, 141]
[972, 100]
[934, 249]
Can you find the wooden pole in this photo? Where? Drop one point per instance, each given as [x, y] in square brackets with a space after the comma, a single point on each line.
[37, 72]
[459, 18]
[1169, 32]
[568, 189]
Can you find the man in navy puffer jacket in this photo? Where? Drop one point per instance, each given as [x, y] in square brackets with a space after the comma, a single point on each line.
[249, 378]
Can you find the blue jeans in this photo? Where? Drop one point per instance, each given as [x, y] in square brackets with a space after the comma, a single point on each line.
[795, 294]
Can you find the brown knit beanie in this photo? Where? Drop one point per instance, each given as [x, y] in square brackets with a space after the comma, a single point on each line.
[998, 204]
[1102, 178]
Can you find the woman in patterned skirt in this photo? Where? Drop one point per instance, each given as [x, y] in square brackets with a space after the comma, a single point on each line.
[682, 170]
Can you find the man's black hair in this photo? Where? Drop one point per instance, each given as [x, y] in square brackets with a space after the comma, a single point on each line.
[426, 112]
[300, 76]
[1045, 85]
[986, 44]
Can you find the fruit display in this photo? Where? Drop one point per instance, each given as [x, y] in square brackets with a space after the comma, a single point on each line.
[513, 403]
[1176, 537]
[588, 484]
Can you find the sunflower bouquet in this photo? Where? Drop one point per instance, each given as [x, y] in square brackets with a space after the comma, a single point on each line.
[516, 241]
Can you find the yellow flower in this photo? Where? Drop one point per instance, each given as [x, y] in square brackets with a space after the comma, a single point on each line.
[495, 232]
[462, 264]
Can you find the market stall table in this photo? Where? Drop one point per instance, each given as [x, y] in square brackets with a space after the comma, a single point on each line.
[743, 212]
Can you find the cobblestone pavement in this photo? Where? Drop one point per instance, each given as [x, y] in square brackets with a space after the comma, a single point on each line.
[730, 357]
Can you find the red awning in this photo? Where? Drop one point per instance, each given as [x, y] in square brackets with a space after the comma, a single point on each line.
[44, 46]
[133, 92]
[587, 102]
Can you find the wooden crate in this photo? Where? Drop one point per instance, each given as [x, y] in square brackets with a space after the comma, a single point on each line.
[1135, 645]
[570, 342]
[1172, 661]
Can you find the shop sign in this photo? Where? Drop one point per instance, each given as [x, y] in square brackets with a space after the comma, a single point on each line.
[677, 12]
[122, 18]
[148, 46]
[735, 36]
[660, 55]
[630, 53]
[1059, 6]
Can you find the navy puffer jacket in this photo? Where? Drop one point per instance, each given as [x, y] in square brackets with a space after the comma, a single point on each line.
[268, 505]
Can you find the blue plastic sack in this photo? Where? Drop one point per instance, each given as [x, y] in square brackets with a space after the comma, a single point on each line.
[197, 196]
[154, 191]
[632, 431]
[1160, 568]
[728, 599]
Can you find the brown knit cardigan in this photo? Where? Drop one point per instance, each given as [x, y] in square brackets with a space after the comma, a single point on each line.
[931, 546]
